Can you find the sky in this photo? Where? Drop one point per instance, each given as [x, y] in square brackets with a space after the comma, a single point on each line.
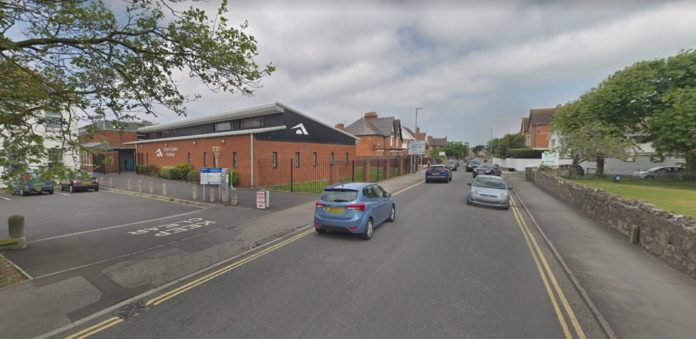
[471, 66]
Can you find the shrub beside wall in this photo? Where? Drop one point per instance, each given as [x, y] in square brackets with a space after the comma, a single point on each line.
[668, 236]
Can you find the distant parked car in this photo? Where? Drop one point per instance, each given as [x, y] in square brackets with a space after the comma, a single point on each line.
[452, 165]
[355, 208]
[578, 169]
[487, 169]
[79, 182]
[489, 190]
[31, 183]
[660, 172]
[438, 173]
[472, 164]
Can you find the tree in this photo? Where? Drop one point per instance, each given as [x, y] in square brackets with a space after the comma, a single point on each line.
[457, 149]
[93, 62]
[478, 149]
[501, 145]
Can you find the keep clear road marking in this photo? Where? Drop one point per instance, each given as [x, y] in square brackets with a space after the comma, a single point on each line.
[540, 261]
[94, 329]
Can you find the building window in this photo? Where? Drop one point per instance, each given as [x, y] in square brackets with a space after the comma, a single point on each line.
[391, 140]
[251, 123]
[314, 159]
[205, 159]
[223, 126]
[346, 158]
[274, 159]
[216, 159]
[333, 157]
[297, 159]
[234, 159]
[53, 121]
[188, 157]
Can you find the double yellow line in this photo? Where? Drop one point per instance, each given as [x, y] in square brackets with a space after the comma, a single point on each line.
[546, 276]
[192, 284]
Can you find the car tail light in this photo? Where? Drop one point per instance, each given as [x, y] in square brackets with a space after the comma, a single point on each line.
[427, 172]
[358, 207]
[74, 182]
[353, 228]
[319, 205]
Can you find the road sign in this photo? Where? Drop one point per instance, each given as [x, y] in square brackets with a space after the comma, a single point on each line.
[211, 176]
[263, 199]
[416, 147]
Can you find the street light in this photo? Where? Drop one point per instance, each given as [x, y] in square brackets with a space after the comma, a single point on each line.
[417, 109]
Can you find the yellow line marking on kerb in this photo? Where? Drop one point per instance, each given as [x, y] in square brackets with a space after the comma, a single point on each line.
[95, 328]
[536, 252]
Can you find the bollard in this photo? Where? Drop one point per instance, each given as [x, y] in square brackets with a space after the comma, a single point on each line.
[164, 188]
[195, 192]
[15, 226]
[152, 188]
[101, 180]
[140, 185]
[111, 182]
[128, 184]
[234, 197]
[212, 194]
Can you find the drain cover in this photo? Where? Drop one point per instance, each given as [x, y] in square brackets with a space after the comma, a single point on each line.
[131, 310]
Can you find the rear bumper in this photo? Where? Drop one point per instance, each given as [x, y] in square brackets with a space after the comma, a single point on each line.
[343, 226]
[85, 187]
[438, 178]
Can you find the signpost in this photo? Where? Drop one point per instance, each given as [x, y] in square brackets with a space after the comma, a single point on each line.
[216, 176]
[263, 199]
[416, 147]
[549, 159]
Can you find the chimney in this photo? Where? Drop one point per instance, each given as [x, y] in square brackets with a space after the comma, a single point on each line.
[370, 115]
[417, 130]
[340, 126]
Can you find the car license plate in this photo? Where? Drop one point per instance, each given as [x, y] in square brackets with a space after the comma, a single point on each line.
[334, 210]
[436, 174]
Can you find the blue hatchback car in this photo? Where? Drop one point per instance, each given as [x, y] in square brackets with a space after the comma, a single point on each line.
[32, 183]
[354, 208]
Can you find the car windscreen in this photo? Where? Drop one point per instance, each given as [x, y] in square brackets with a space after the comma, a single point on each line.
[489, 183]
[339, 195]
[439, 167]
[485, 166]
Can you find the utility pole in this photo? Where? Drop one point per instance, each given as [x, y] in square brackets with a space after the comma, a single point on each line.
[490, 145]
[417, 109]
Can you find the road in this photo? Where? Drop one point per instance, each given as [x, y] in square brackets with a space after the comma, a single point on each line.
[443, 269]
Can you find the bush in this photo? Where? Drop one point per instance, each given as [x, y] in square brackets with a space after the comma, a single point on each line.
[183, 171]
[234, 178]
[193, 176]
[140, 169]
[166, 172]
[524, 153]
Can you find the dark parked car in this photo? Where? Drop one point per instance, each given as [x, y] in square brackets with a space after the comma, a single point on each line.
[487, 169]
[472, 164]
[438, 173]
[80, 182]
[32, 183]
[452, 165]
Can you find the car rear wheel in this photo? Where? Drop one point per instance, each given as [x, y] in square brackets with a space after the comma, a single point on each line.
[96, 189]
[649, 177]
[50, 192]
[320, 231]
[369, 228]
[392, 214]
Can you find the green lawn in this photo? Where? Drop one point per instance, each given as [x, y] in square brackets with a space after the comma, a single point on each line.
[306, 187]
[376, 174]
[675, 196]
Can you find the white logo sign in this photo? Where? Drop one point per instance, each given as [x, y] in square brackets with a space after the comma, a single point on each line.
[300, 129]
[158, 153]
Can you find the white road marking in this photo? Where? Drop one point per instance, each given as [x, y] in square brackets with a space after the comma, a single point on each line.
[3, 198]
[115, 226]
[65, 194]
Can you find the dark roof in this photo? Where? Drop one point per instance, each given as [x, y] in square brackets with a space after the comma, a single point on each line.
[525, 125]
[439, 142]
[375, 126]
[541, 116]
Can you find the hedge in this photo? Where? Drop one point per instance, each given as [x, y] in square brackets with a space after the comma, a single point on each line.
[234, 178]
[524, 153]
[193, 176]
[168, 172]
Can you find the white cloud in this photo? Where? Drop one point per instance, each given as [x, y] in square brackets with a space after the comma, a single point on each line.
[472, 67]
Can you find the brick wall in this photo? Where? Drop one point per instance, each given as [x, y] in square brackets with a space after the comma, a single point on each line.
[540, 136]
[113, 138]
[666, 235]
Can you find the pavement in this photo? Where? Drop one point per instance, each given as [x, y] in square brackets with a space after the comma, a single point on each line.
[184, 190]
[91, 250]
[442, 269]
[639, 294]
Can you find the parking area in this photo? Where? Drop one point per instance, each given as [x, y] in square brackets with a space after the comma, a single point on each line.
[70, 231]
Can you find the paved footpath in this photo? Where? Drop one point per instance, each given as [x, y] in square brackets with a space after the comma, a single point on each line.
[639, 294]
[42, 305]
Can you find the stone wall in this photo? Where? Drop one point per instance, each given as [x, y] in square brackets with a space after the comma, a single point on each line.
[668, 236]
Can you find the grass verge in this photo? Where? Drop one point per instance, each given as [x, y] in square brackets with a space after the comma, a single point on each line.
[8, 274]
[675, 196]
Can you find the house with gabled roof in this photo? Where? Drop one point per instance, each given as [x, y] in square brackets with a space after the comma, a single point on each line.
[379, 137]
[537, 127]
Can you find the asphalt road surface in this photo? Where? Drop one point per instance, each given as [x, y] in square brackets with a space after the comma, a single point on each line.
[443, 269]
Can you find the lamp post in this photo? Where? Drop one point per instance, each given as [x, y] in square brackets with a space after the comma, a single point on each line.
[417, 109]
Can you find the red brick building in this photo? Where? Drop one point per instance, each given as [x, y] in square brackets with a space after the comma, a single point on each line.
[537, 127]
[379, 137]
[255, 142]
[107, 151]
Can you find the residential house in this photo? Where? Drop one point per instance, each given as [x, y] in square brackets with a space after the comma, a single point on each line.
[379, 137]
[537, 128]
[433, 143]
[408, 135]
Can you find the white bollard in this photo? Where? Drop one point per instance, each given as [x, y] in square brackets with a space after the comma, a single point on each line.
[212, 194]
[111, 182]
[128, 184]
[234, 197]
[152, 188]
[140, 185]
[195, 192]
[164, 188]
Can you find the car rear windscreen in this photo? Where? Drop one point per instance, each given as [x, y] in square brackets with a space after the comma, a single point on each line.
[339, 195]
